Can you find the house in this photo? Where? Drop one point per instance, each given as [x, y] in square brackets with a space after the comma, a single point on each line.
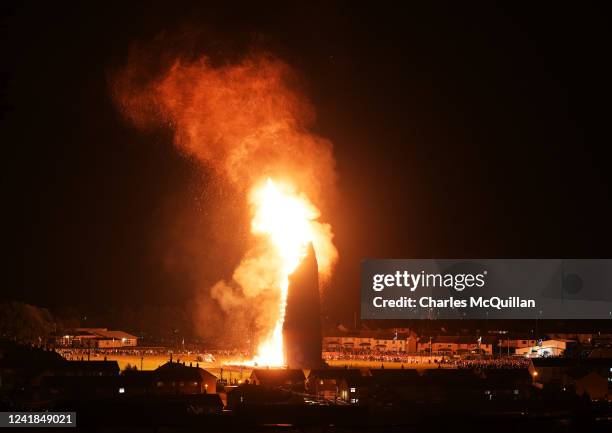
[592, 383]
[400, 340]
[278, 378]
[21, 365]
[114, 406]
[355, 389]
[179, 378]
[581, 337]
[585, 376]
[82, 379]
[551, 370]
[85, 379]
[510, 343]
[456, 345]
[137, 382]
[545, 348]
[334, 383]
[101, 338]
[602, 340]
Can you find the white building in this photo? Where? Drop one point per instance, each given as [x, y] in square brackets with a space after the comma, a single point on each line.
[544, 349]
[97, 337]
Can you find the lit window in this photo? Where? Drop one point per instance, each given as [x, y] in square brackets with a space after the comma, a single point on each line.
[121, 390]
[352, 389]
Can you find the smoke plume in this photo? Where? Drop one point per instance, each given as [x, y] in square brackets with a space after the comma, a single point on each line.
[244, 122]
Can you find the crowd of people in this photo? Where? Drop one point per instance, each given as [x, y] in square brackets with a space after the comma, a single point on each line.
[497, 363]
[81, 352]
[205, 356]
[441, 360]
[378, 356]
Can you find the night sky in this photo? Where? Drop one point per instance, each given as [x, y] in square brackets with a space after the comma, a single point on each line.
[478, 132]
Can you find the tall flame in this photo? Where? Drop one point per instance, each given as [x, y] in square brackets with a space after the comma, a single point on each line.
[287, 220]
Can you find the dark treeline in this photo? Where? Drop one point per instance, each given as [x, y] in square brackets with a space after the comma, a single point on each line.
[154, 324]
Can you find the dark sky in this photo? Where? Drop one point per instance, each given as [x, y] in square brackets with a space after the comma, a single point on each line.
[459, 133]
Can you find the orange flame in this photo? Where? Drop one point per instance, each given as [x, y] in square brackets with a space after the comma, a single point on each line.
[289, 222]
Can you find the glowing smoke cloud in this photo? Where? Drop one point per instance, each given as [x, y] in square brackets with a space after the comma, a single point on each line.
[246, 123]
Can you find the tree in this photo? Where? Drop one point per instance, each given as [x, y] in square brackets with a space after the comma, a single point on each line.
[25, 322]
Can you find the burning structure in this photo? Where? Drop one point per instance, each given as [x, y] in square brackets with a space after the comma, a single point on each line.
[302, 327]
[287, 224]
[249, 126]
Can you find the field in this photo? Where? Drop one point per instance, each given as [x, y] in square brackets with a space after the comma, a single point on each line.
[390, 365]
[232, 371]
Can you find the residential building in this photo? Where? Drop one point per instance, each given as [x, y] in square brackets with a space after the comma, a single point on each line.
[456, 345]
[544, 348]
[510, 343]
[100, 338]
[179, 378]
[591, 376]
[79, 379]
[336, 383]
[278, 378]
[382, 341]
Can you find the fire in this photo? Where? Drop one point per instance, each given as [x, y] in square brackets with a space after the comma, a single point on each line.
[286, 220]
[243, 121]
